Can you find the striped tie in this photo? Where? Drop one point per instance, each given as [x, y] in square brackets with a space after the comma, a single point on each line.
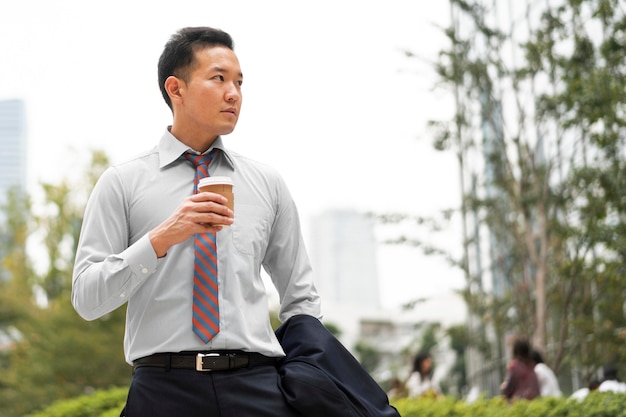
[206, 315]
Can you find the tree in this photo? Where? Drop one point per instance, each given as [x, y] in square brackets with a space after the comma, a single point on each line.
[458, 342]
[15, 294]
[53, 353]
[539, 130]
[369, 356]
[548, 133]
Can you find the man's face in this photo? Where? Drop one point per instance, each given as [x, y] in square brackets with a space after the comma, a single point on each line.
[211, 97]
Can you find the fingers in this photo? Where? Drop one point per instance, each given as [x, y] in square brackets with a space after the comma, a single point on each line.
[200, 213]
[212, 227]
[207, 196]
[209, 211]
[210, 221]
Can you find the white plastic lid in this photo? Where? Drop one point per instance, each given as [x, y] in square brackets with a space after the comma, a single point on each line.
[214, 180]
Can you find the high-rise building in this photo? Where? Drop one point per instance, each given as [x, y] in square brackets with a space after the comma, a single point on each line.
[343, 251]
[343, 254]
[12, 148]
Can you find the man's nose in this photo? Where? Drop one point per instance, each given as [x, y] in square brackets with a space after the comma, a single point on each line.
[233, 93]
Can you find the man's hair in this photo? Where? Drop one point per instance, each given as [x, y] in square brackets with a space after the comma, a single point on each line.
[178, 55]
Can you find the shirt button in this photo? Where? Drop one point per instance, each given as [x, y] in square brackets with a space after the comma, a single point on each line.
[144, 270]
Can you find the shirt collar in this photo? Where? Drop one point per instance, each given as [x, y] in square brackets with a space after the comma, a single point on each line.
[170, 149]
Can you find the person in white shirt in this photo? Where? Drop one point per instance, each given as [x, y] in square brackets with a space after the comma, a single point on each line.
[420, 382]
[581, 393]
[548, 383]
[611, 383]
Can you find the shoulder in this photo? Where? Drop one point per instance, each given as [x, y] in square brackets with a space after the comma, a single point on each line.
[515, 365]
[580, 393]
[148, 158]
[414, 379]
[245, 164]
[115, 179]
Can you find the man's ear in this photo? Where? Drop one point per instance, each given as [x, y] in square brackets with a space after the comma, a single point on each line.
[174, 87]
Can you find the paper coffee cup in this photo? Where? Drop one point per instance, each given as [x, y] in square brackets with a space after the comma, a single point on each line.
[219, 185]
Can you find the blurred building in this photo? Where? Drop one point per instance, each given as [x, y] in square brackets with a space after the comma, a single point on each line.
[343, 248]
[343, 253]
[12, 147]
[12, 161]
[396, 336]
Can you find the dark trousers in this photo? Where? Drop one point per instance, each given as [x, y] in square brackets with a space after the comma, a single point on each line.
[160, 392]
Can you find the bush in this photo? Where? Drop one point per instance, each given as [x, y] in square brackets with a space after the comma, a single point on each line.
[595, 405]
[102, 403]
[109, 403]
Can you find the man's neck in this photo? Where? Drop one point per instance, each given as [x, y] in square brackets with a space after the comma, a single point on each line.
[198, 141]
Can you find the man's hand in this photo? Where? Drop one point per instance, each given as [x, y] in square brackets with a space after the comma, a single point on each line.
[199, 213]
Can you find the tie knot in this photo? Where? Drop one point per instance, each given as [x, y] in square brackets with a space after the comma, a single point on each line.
[199, 160]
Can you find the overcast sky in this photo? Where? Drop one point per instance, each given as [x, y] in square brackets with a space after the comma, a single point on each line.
[330, 100]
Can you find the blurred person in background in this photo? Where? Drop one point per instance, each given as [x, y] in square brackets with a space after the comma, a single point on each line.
[521, 381]
[548, 384]
[421, 382]
[581, 394]
[398, 388]
[610, 381]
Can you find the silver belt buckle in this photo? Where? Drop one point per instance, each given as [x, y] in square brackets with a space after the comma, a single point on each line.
[200, 361]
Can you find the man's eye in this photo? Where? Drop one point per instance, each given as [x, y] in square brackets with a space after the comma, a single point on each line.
[240, 83]
[219, 77]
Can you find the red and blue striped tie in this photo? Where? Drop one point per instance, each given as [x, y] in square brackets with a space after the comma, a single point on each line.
[206, 312]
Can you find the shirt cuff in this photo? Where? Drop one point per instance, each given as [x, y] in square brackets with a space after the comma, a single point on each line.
[141, 258]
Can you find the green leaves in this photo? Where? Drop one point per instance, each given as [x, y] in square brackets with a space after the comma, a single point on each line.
[539, 131]
[596, 404]
[54, 353]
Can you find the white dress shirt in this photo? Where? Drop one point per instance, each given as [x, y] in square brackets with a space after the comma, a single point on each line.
[116, 264]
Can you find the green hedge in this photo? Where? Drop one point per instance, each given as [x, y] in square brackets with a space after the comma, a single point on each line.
[102, 403]
[109, 403]
[595, 405]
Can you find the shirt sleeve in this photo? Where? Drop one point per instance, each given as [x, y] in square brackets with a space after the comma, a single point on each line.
[287, 263]
[107, 269]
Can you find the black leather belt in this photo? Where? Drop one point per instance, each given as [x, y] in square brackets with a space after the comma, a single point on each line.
[205, 361]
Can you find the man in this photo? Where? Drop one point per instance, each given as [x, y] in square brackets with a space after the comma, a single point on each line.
[145, 227]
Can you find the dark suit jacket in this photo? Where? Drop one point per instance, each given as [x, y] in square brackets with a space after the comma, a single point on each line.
[320, 378]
